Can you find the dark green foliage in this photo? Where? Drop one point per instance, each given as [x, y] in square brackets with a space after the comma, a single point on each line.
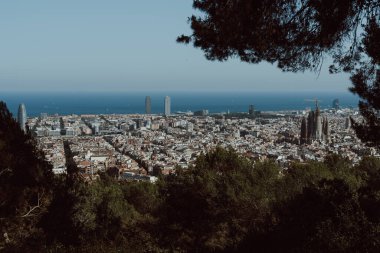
[24, 182]
[298, 35]
[295, 34]
[71, 217]
[324, 217]
[213, 205]
[22, 165]
[143, 196]
[83, 212]
[320, 208]
[370, 191]
[113, 172]
[366, 80]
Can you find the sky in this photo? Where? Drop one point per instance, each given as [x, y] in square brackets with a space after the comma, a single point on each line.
[123, 45]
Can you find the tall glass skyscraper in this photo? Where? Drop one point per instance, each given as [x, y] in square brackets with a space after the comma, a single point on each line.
[167, 106]
[148, 105]
[22, 117]
[251, 110]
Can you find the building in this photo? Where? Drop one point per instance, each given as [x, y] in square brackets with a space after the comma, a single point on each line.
[314, 128]
[304, 131]
[167, 106]
[69, 131]
[139, 123]
[43, 115]
[201, 113]
[318, 124]
[335, 104]
[251, 110]
[148, 105]
[95, 127]
[347, 123]
[22, 117]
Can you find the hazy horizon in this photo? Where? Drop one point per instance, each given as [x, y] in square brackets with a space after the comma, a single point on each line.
[123, 46]
[65, 103]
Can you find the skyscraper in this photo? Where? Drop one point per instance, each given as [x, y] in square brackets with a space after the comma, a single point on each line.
[167, 106]
[335, 104]
[251, 110]
[22, 117]
[148, 105]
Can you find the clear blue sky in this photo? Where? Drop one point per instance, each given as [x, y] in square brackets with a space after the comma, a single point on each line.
[122, 45]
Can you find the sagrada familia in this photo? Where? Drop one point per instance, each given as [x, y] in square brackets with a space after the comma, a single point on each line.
[314, 128]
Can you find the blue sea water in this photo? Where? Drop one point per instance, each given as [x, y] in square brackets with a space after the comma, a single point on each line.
[65, 103]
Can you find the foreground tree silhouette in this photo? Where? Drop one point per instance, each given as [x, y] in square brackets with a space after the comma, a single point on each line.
[212, 206]
[297, 35]
[366, 82]
[226, 203]
[25, 179]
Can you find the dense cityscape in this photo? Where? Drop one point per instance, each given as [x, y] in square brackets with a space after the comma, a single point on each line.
[190, 126]
[142, 146]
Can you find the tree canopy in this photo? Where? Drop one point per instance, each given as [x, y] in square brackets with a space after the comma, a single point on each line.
[25, 177]
[298, 35]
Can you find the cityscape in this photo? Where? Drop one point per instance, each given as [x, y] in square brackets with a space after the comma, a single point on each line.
[143, 146]
[201, 126]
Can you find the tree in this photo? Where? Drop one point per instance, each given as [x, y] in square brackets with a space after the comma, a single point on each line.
[211, 206]
[323, 217]
[25, 179]
[366, 82]
[327, 206]
[82, 213]
[297, 35]
[370, 190]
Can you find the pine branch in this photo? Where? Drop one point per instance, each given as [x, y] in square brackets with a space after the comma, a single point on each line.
[4, 171]
[31, 213]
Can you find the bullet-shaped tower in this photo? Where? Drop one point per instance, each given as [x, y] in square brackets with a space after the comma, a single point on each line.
[21, 117]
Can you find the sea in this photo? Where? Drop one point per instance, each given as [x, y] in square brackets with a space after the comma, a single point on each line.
[66, 103]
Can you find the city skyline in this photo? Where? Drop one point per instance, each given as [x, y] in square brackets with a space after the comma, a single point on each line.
[190, 126]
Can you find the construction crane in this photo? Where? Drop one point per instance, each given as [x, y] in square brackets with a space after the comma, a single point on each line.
[316, 100]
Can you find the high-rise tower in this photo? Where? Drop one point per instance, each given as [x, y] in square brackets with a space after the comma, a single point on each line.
[335, 104]
[22, 117]
[251, 110]
[148, 105]
[167, 106]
